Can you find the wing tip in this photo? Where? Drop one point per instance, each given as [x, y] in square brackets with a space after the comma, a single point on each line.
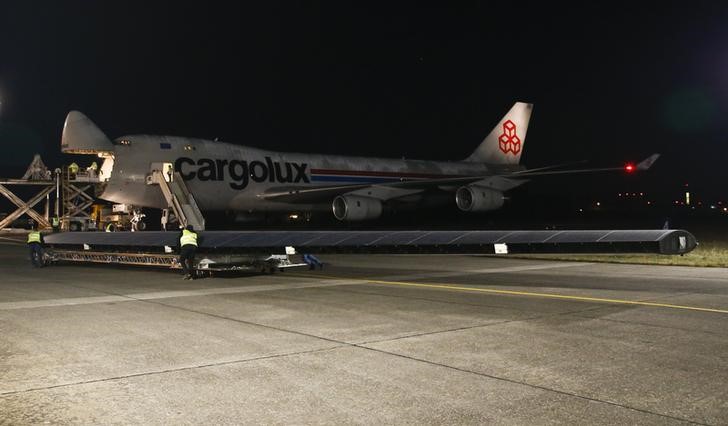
[648, 162]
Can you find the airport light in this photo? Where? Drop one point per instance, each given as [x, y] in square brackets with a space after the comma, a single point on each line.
[629, 168]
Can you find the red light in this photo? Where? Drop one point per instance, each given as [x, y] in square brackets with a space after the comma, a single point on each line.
[629, 168]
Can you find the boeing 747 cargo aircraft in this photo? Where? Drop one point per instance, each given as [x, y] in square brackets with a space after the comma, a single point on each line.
[229, 177]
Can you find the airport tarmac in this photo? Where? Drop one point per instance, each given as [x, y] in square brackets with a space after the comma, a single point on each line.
[370, 339]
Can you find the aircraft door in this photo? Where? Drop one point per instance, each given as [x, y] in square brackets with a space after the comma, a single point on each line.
[167, 170]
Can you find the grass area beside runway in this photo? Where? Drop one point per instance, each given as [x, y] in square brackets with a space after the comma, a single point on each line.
[708, 253]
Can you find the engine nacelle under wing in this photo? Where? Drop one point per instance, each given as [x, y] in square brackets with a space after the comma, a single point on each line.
[355, 208]
[474, 198]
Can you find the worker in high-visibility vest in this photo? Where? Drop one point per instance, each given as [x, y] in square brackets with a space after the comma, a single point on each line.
[72, 170]
[188, 247]
[56, 223]
[35, 244]
[92, 169]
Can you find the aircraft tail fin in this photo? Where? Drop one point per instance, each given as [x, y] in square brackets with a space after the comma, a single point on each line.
[504, 144]
[82, 136]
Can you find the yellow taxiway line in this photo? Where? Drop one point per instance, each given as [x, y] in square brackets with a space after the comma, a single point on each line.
[459, 287]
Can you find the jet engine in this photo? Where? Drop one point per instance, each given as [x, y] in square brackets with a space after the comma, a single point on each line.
[475, 198]
[355, 207]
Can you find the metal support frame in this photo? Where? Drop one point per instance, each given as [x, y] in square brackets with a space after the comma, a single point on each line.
[140, 259]
[76, 201]
[57, 206]
[71, 195]
[206, 262]
[26, 207]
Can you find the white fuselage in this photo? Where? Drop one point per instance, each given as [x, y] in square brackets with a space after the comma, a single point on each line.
[223, 176]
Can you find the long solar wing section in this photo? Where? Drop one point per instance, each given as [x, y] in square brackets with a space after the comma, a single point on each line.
[663, 241]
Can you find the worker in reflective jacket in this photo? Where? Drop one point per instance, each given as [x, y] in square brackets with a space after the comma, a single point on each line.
[72, 170]
[35, 244]
[56, 223]
[188, 247]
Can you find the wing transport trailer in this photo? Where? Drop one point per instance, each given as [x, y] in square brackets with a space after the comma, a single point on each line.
[272, 250]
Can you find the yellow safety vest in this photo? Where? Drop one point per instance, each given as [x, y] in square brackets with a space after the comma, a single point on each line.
[56, 221]
[73, 168]
[34, 237]
[188, 238]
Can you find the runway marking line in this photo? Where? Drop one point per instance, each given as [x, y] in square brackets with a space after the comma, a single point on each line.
[528, 294]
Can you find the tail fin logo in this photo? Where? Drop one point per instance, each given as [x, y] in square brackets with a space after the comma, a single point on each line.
[509, 140]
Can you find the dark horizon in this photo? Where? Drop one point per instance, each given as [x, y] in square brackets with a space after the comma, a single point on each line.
[610, 83]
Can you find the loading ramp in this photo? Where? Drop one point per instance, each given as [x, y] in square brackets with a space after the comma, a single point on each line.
[179, 198]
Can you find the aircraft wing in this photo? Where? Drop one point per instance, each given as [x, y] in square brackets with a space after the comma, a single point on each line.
[664, 241]
[641, 166]
[387, 191]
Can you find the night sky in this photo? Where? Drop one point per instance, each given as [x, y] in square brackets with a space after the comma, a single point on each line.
[610, 82]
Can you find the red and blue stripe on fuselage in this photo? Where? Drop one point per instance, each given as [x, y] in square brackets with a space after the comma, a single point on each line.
[367, 176]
